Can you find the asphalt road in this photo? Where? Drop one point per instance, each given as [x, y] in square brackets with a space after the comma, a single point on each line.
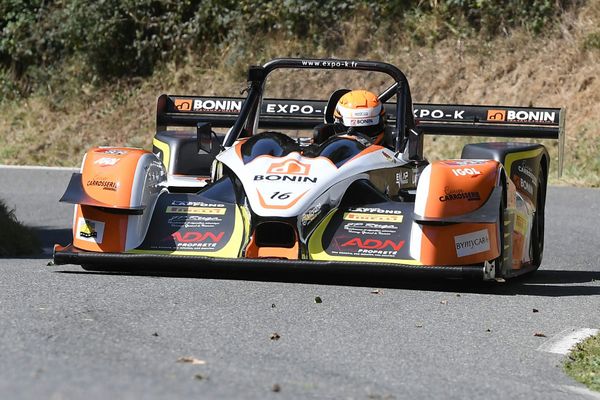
[69, 334]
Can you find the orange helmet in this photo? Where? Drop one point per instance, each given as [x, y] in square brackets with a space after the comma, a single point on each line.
[362, 111]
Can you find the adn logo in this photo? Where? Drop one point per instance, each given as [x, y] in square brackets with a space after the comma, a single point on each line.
[289, 167]
[496, 115]
[373, 244]
[183, 104]
[197, 237]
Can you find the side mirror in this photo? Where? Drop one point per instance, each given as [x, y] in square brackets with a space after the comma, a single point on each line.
[204, 137]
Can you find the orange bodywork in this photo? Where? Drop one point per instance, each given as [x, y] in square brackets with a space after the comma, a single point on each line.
[97, 230]
[439, 244]
[107, 177]
[108, 174]
[253, 251]
[458, 188]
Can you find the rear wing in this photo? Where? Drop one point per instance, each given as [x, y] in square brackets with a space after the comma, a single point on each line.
[436, 119]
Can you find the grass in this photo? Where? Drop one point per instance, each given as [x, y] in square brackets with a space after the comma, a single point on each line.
[583, 363]
[558, 69]
[15, 239]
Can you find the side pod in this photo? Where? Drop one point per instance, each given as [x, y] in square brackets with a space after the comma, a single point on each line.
[457, 213]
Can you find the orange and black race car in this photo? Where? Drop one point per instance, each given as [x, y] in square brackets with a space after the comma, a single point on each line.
[256, 196]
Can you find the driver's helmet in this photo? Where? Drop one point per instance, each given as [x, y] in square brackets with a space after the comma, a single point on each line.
[362, 111]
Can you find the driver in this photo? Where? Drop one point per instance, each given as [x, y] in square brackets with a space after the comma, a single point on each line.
[361, 111]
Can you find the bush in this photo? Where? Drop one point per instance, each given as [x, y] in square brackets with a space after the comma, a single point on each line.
[15, 239]
[118, 38]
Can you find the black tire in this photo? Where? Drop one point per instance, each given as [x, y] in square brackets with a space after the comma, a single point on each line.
[536, 248]
[499, 261]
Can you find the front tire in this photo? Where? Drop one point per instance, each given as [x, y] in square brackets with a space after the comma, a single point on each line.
[537, 229]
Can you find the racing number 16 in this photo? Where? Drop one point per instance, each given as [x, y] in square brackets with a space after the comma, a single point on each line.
[281, 196]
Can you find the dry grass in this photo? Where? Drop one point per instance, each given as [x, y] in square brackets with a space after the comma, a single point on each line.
[561, 69]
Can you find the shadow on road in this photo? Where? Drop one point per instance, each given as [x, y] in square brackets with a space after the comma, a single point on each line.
[51, 236]
[552, 283]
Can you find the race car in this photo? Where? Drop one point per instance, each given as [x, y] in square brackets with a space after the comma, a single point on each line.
[256, 196]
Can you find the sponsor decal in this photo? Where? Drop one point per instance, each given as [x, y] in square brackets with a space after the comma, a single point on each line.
[289, 167]
[311, 214]
[208, 105]
[520, 223]
[330, 64]
[195, 210]
[374, 210]
[527, 171]
[374, 244]
[361, 122]
[463, 163]
[115, 152]
[196, 204]
[183, 104]
[287, 171]
[196, 237]
[106, 161]
[524, 116]
[284, 178]
[274, 108]
[458, 194]
[103, 183]
[193, 240]
[525, 185]
[371, 247]
[369, 228]
[90, 230]
[402, 178]
[472, 243]
[364, 217]
[465, 171]
[194, 221]
[224, 106]
[496, 115]
[438, 114]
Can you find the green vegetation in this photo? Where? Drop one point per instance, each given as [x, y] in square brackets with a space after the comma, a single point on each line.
[583, 363]
[15, 239]
[75, 74]
[592, 41]
[120, 38]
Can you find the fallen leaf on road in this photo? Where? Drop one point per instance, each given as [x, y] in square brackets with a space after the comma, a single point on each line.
[457, 294]
[155, 334]
[488, 330]
[200, 377]
[276, 388]
[419, 325]
[318, 300]
[536, 310]
[275, 336]
[191, 360]
[539, 334]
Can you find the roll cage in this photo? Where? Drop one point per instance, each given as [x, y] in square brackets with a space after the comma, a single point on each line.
[247, 121]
